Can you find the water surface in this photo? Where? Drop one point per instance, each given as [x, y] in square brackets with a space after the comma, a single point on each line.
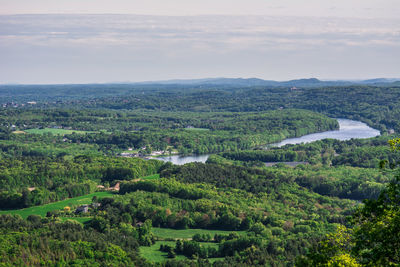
[180, 160]
[348, 129]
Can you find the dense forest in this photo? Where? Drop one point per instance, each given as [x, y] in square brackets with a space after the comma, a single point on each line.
[246, 206]
[188, 132]
[376, 105]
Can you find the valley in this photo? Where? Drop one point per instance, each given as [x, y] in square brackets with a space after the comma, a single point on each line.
[66, 184]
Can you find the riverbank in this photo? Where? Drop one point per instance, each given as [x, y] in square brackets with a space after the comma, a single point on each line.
[348, 129]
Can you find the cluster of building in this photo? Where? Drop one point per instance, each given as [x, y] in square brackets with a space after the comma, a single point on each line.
[85, 208]
[16, 105]
[141, 154]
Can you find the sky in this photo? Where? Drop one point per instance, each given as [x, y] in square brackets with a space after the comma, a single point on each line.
[97, 41]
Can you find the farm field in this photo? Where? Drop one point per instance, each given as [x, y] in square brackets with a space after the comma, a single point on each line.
[54, 131]
[151, 177]
[153, 253]
[197, 129]
[167, 233]
[78, 219]
[42, 210]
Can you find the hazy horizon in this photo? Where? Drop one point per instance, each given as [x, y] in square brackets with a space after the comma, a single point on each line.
[279, 40]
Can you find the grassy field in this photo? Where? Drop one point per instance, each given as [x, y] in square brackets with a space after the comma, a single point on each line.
[197, 129]
[188, 233]
[78, 219]
[54, 131]
[154, 254]
[42, 210]
[151, 177]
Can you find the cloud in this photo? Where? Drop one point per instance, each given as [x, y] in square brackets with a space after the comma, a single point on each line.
[104, 30]
[175, 47]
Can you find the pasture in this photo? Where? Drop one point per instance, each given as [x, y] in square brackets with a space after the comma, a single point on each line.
[154, 254]
[54, 131]
[43, 209]
[167, 233]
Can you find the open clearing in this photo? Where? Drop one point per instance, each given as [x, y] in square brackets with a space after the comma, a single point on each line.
[54, 131]
[188, 233]
[42, 210]
[151, 177]
[154, 254]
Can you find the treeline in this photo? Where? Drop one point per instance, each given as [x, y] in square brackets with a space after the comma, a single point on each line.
[167, 206]
[194, 250]
[377, 106]
[51, 173]
[343, 182]
[188, 132]
[357, 153]
[39, 196]
[43, 241]
[279, 218]
[371, 240]
[30, 181]
[250, 179]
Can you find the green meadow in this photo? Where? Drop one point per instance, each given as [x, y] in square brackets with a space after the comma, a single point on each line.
[154, 254]
[151, 177]
[54, 131]
[70, 202]
[197, 129]
[167, 233]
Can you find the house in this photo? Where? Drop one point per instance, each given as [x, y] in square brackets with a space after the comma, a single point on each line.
[82, 209]
[128, 155]
[157, 153]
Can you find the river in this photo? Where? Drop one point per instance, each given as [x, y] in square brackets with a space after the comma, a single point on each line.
[348, 129]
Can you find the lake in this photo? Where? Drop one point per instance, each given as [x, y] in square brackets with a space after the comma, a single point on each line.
[348, 129]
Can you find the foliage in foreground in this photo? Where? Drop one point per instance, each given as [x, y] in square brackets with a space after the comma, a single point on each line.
[374, 239]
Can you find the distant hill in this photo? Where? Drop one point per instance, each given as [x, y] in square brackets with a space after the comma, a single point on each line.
[248, 82]
[69, 92]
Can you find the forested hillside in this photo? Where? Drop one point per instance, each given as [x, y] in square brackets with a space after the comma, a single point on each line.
[77, 186]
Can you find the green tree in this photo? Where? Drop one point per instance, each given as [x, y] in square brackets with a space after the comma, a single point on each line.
[375, 237]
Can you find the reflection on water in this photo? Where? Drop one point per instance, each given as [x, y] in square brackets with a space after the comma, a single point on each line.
[180, 160]
[348, 129]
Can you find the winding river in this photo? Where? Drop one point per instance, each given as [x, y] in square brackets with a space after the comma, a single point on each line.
[348, 129]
